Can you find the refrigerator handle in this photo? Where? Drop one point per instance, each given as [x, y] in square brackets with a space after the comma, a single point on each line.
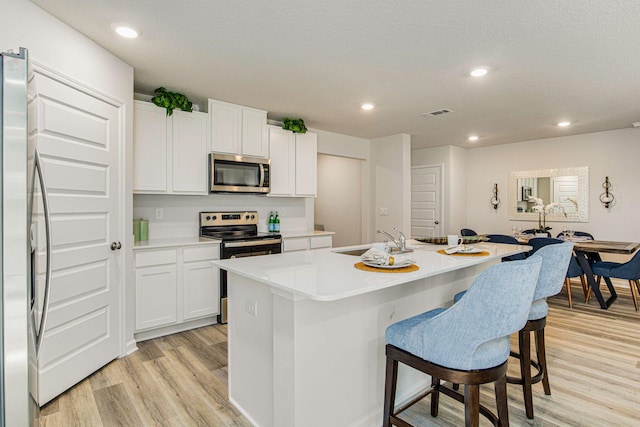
[47, 227]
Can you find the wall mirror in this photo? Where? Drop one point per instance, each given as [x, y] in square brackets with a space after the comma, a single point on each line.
[567, 186]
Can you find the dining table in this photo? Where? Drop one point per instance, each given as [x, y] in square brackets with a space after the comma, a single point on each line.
[588, 251]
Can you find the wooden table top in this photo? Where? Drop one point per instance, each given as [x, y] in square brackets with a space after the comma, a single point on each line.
[596, 245]
[606, 246]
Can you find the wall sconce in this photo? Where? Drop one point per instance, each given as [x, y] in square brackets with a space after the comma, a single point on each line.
[495, 200]
[606, 198]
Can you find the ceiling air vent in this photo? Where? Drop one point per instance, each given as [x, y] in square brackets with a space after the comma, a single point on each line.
[437, 112]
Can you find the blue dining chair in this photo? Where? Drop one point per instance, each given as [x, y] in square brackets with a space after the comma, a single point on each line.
[467, 343]
[555, 261]
[629, 270]
[503, 238]
[468, 232]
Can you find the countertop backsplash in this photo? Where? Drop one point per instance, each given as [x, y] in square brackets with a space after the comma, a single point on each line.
[180, 213]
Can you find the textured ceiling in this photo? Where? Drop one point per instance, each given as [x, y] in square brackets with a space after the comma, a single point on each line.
[549, 60]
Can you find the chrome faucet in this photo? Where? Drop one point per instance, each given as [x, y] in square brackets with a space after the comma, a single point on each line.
[400, 242]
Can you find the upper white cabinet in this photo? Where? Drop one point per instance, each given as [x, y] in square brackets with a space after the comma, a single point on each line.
[293, 163]
[238, 130]
[169, 152]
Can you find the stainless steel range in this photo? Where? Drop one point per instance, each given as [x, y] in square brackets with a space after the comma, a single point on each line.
[240, 237]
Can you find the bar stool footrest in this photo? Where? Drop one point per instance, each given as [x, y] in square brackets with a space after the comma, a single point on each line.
[534, 378]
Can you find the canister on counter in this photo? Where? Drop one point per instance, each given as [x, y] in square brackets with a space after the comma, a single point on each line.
[144, 230]
[136, 230]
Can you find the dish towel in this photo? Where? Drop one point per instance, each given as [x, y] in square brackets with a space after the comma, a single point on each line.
[379, 257]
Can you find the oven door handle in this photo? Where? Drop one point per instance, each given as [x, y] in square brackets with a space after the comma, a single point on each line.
[252, 243]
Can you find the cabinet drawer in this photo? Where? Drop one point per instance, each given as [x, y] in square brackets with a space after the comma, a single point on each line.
[289, 245]
[147, 258]
[320, 242]
[201, 253]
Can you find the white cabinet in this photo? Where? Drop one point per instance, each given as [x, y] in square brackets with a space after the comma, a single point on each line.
[175, 286]
[238, 130]
[169, 152]
[293, 163]
[306, 243]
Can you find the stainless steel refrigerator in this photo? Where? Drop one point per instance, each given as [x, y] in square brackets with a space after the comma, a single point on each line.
[25, 245]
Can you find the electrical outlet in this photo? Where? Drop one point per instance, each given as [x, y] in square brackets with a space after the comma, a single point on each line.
[159, 213]
[251, 307]
[384, 211]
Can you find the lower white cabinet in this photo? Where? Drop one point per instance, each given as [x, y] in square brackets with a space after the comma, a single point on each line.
[306, 243]
[175, 286]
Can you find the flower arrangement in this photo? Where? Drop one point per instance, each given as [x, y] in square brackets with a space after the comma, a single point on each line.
[543, 210]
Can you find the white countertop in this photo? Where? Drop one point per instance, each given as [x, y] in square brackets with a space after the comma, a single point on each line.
[324, 275]
[305, 233]
[174, 242]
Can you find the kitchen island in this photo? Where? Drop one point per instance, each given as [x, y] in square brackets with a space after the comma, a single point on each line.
[306, 330]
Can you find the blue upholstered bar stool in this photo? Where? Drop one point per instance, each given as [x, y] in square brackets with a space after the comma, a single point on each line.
[555, 262]
[510, 240]
[468, 232]
[467, 343]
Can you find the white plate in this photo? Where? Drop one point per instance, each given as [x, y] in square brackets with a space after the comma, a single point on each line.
[468, 251]
[390, 267]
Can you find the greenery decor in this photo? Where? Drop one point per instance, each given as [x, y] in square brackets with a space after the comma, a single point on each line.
[294, 125]
[171, 100]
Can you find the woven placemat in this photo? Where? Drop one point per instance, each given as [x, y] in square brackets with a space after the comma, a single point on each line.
[483, 253]
[408, 269]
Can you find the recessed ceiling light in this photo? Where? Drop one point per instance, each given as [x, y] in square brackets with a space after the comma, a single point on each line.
[479, 71]
[473, 138]
[367, 106]
[564, 124]
[125, 30]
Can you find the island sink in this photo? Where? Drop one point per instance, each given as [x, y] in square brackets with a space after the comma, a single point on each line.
[359, 252]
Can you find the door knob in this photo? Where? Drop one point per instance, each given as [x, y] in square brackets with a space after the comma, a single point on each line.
[115, 246]
[437, 222]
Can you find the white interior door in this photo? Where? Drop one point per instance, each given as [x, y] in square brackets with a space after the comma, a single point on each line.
[426, 201]
[79, 137]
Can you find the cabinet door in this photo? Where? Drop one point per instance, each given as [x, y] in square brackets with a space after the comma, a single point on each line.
[200, 289]
[282, 154]
[306, 164]
[320, 242]
[225, 127]
[189, 152]
[156, 296]
[295, 244]
[254, 133]
[149, 148]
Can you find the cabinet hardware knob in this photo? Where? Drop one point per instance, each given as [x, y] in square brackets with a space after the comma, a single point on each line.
[115, 246]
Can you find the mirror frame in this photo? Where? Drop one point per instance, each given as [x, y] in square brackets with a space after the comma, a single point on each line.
[582, 215]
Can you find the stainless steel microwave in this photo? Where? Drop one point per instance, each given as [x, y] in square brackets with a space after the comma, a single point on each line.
[238, 174]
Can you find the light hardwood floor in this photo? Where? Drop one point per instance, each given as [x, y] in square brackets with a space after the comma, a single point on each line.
[181, 380]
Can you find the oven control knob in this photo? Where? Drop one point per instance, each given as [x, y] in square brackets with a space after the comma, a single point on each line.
[214, 217]
[253, 217]
[247, 217]
[208, 218]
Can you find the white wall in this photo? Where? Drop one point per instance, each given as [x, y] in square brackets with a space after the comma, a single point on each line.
[339, 203]
[391, 180]
[336, 144]
[614, 154]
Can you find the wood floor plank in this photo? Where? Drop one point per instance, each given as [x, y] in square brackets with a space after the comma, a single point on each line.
[115, 407]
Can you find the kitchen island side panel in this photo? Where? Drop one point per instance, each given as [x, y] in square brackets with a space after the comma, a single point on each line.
[327, 358]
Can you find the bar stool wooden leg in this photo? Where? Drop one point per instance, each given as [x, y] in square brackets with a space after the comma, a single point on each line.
[524, 339]
[435, 396]
[542, 360]
[390, 390]
[472, 405]
[500, 388]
